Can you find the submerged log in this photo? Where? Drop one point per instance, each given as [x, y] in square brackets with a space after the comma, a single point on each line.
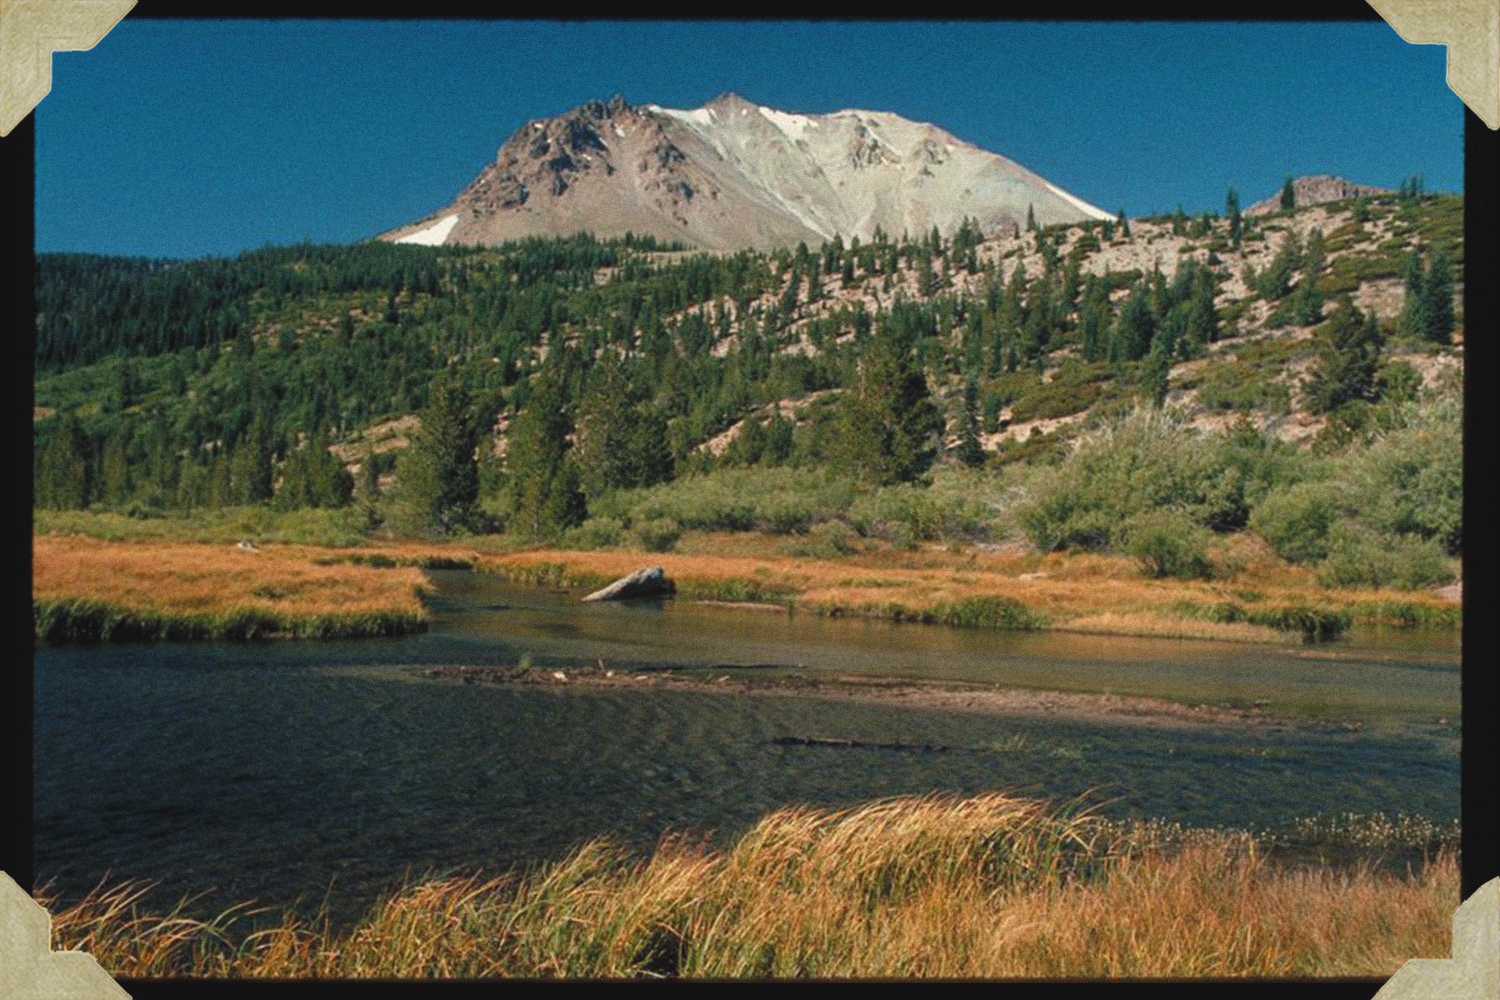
[650, 582]
[820, 741]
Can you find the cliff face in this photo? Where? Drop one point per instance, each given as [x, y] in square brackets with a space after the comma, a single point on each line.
[733, 174]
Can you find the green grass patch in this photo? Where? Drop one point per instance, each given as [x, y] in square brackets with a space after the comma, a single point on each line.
[308, 526]
[382, 560]
[739, 589]
[544, 574]
[75, 620]
[970, 612]
[1398, 612]
[1315, 624]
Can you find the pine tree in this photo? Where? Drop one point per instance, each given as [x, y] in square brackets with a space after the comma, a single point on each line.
[1135, 327]
[367, 488]
[565, 506]
[538, 451]
[970, 451]
[622, 438]
[749, 444]
[1093, 320]
[1124, 224]
[1414, 317]
[1203, 318]
[329, 483]
[438, 475]
[1030, 219]
[124, 394]
[219, 481]
[779, 439]
[889, 422]
[1158, 370]
[1309, 301]
[1288, 195]
[114, 471]
[250, 468]
[1347, 362]
[1437, 293]
[64, 477]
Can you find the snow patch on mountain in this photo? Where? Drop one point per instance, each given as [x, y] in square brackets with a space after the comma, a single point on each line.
[433, 235]
[794, 127]
[1079, 203]
[702, 118]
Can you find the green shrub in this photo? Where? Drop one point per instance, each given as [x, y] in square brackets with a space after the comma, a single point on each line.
[660, 535]
[1152, 459]
[1296, 521]
[1359, 557]
[828, 540]
[1409, 481]
[1167, 543]
[777, 499]
[1315, 624]
[987, 612]
[595, 533]
[1054, 399]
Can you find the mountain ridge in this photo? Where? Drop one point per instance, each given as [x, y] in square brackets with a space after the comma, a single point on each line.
[736, 175]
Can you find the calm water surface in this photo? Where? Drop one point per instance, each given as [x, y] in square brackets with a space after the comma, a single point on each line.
[293, 770]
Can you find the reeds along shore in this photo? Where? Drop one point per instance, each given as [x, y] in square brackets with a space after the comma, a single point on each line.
[85, 590]
[989, 886]
[88, 589]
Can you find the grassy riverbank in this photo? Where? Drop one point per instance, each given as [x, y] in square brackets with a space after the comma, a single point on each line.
[113, 579]
[87, 590]
[983, 887]
[1074, 592]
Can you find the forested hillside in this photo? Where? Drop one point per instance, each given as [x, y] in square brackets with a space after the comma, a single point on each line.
[589, 388]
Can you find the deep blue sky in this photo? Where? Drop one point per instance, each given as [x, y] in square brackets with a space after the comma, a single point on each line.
[190, 138]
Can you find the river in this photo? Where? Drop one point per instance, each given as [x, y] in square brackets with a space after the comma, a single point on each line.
[290, 771]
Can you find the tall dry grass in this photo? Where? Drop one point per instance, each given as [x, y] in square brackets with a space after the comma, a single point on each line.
[989, 886]
[85, 589]
[1087, 592]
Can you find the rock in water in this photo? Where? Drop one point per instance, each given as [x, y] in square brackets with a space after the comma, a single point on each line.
[642, 583]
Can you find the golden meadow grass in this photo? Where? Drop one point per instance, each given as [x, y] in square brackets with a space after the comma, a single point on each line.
[87, 589]
[1078, 592]
[987, 886]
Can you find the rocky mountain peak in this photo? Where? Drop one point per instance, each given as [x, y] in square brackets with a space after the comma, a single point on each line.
[1316, 189]
[733, 174]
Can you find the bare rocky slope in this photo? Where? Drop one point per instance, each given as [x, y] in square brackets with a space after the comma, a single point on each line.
[734, 175]
[1316, 189]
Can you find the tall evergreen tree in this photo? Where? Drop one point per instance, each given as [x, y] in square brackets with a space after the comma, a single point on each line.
[889, 422]
[1134, 328]
[1093, 320]
[114, 470]
[1414, 311]
[64, 479]
[622, 438]
[250, 472]
[1288, 195]
[970, 451]
[1347, 361]
[1308, 300]
[537, 484]
[437, 477]
[220, 486]
[1437, 291]
[1156, 377]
